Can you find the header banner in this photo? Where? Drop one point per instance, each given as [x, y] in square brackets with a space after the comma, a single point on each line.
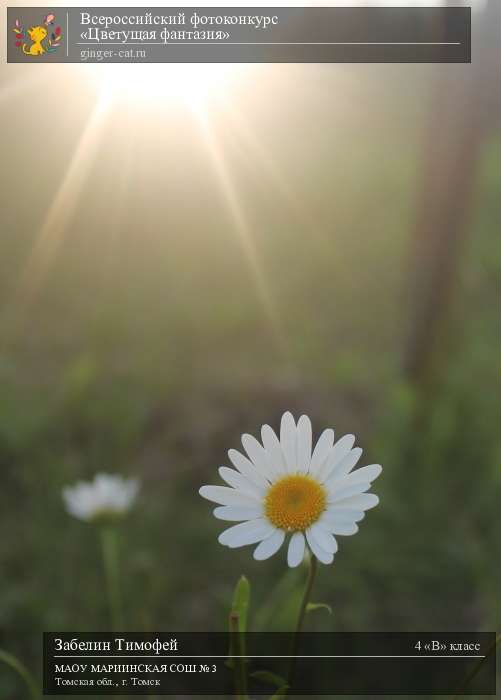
[239, 35]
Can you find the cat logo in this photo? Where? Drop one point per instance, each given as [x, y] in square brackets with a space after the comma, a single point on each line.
[39, 39]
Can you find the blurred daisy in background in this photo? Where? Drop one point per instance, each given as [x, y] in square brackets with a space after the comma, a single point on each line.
[281, 488]
[104, 501]
[106, 498]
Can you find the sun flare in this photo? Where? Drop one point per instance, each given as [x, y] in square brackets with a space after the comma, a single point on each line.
[190, 84]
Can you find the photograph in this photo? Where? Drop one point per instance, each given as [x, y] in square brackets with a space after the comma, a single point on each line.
[250, 350]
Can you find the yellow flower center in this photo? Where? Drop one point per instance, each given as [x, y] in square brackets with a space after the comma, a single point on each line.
[295, 502]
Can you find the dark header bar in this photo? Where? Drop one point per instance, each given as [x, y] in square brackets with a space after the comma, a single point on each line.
[239, 35]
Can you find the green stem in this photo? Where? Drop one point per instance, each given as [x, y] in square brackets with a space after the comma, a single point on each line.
[476, 669]
[109, 542]
[22, 671]
[238, 650]
[302, 612]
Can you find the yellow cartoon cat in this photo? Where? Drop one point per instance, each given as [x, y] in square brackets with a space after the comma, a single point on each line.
[37, 35]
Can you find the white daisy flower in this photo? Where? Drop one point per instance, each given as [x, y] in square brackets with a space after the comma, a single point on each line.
[281, 487]
[107, 497]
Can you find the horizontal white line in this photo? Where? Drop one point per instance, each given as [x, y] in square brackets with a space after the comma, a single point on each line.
[271, 43]
[284, 656]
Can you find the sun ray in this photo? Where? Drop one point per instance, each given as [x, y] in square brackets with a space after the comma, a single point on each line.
[241, 227]
[118, 213]
[255, 150]
[61, 210]
[255, 147]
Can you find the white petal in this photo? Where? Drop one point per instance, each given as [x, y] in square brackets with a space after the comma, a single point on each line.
[274, 455]
[110, 493]
[335, 484]
[321, 451]
[295, 552]
[257, 455]
[237, 513]
[321, 554]
[364, 501]
[323, 538]
[227, 497]
[334, 515]
[369, 473]
[341, 448]
[345, 529]
[269, 546]
[74, 504]
[303, 444]
[246, 468]
[240, 482]
[345, 465]
[339, 494]
[288, 440]
[339, 527]
[249, 532]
